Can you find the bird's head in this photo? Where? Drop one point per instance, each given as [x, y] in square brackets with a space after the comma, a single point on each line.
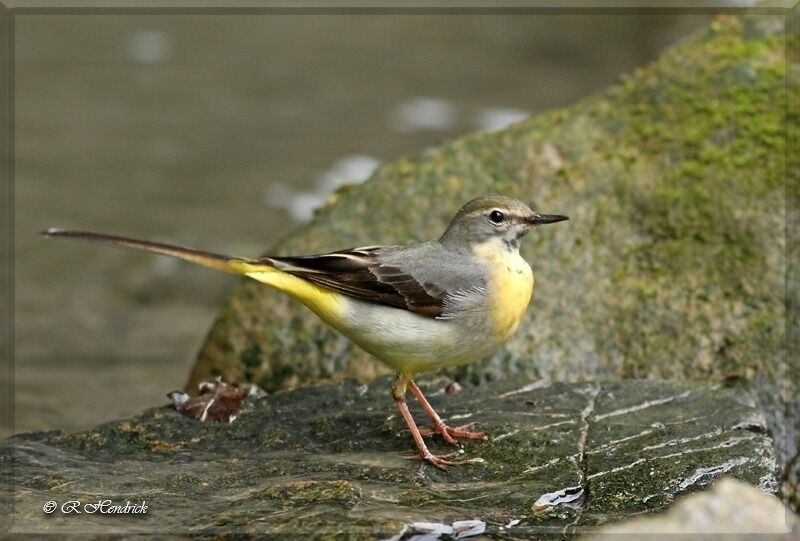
[493, 218]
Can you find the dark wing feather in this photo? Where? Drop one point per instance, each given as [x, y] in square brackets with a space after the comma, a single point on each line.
[358, 273]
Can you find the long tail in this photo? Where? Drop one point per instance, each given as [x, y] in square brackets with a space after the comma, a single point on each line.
[234, 265]
[324, 302]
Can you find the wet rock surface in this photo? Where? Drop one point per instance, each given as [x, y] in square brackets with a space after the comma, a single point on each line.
[330, 458]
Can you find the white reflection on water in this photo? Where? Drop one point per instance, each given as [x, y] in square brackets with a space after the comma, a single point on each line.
[422, 113]
[349, 169]
[148, 47]
[497, 118]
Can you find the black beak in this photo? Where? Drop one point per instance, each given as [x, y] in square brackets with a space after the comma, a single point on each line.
[539, 219]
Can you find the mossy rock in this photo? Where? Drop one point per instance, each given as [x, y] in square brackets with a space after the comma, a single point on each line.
[672, 265]
[677, 181]
[328, 461]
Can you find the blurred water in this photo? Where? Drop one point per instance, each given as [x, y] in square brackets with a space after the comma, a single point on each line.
[222, 132]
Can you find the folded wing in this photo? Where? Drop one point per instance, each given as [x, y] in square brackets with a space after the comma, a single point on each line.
[419, 278]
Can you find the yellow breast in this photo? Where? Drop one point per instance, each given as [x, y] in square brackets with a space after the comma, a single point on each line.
[511, 286]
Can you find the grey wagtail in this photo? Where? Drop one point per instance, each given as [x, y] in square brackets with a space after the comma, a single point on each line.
[416, 308]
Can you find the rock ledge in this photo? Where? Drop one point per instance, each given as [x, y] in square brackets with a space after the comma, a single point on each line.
[327, 459]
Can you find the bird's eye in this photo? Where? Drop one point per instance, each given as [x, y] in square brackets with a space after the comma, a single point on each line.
[496, 217]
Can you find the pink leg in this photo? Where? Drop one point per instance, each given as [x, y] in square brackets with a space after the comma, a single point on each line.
[438, 425]
[398, 391]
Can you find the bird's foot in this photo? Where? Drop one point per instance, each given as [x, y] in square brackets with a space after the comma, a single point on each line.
[449, 433]
[441, 461]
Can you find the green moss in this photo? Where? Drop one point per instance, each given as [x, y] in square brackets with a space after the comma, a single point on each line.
[706, 148]
[304, 493]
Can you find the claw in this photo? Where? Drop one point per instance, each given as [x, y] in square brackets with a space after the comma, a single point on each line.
[442, 456]
[441, 462]
[462, 432]
[441, 430]
[449, 433]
